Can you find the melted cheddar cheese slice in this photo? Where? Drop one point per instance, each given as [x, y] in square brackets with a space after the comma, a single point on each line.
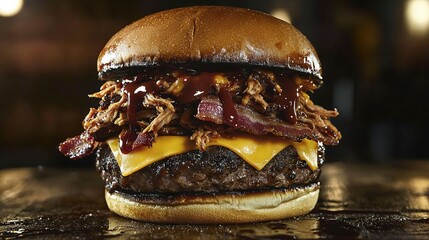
[255, 150]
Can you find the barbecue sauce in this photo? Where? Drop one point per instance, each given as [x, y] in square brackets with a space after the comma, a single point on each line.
[199, 86]
[135, 91]
[287, 99]
[229, 112]
[196, 87]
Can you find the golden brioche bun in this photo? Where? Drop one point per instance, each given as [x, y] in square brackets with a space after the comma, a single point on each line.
[209, 34]
[217, 208]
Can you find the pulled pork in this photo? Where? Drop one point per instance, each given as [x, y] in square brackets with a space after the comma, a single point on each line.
[203, 136]
[163, 110]
[253, 91]
[103, 117]
[316, 116]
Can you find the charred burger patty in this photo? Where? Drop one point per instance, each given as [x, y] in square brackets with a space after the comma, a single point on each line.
[216, 170]
[207, 119]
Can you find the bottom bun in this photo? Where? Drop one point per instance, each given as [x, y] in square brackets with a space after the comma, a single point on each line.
[217, 208]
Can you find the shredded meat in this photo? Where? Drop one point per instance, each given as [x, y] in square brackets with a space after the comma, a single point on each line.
[122, 119]
[202, 137]
[317, 117]
[99, 118]
[176, 87]
[106, 89]
[165, 111]
[253, 91]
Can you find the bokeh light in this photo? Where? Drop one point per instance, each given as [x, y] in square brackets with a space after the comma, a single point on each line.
[9, 8]
[417, 16]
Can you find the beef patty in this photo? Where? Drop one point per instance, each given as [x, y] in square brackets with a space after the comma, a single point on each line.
[217, 169]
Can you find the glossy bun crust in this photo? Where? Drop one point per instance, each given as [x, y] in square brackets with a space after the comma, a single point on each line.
[210, 34]
[213, 208]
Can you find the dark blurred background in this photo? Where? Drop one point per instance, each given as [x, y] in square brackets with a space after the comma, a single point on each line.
[375, 58]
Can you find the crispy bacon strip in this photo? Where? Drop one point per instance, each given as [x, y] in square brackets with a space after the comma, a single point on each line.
[144, 139]
[78, 147]
[211, 109]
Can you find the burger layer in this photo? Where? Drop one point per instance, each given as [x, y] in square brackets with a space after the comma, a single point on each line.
[205, 103]
[218, 169]
[230, 207]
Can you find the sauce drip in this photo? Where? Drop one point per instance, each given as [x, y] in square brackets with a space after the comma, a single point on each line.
[193, 87]
[135, 91]
[229, 112]
[287, 99]
[199, 86]
[196, 87]
[127, 138]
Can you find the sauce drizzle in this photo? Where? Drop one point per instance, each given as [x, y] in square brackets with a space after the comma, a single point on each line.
[229, 112]
[287, 99]
[196, 87]
[135, 91]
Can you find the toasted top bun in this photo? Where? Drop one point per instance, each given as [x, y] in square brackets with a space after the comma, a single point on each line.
[208, 34]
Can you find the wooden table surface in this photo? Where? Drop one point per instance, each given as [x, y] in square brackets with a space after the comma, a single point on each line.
[357, 201]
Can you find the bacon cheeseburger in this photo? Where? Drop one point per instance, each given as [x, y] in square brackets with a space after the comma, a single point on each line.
[205, 117]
